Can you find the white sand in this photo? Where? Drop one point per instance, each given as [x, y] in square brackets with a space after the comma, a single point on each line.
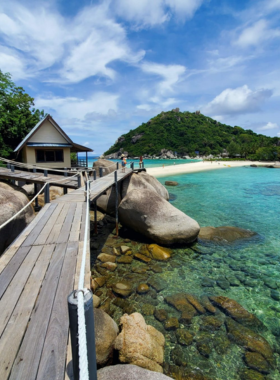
[199, 167]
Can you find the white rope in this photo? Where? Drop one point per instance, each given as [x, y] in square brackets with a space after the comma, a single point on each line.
[83, 356]
[32, 200]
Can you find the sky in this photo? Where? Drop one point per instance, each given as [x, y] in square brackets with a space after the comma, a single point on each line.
[102, 68]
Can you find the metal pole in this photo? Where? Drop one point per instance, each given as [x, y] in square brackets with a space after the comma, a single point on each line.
[85, 191]
[142, 165]
[79, 180]
[65, 173]
[65, 189]
[47, 193]
[100, 172]
[90, 336]
[86, 159]
[34, 170]
[117, 166]
[132, 165]
[95, 218]
[12, 168]
[117, 203]
[36, 199]
[94, 175]
[45, 173]
[8, 166]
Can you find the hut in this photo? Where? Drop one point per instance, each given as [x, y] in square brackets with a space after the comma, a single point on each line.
[47, 145]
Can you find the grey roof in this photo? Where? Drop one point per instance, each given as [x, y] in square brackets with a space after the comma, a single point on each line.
[49, 144]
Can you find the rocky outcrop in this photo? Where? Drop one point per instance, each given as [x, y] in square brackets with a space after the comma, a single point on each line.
[106, 165]
[140, 344]
[106, 331]
[165, 153]
[12, 200]
[136, 138]
[171, 183]
[149, 214]
[224, 234]
[107, 202]
[143, 181]
[129, 372]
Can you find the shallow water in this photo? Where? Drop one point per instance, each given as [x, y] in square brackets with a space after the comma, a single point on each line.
[244, 197]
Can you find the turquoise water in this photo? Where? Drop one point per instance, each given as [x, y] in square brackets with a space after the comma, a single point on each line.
[244, 197]
[147, 163]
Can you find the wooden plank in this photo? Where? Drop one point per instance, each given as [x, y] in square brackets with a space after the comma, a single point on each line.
[39, 226]
[15, 329]
[76, 224]
[58, 225]
[65, 230]
[44, 234]
[14, 290]
[6, 257]
[28, 358]
[11, 269]
[52, 364]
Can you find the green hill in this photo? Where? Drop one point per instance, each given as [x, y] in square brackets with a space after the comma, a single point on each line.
[187, 133]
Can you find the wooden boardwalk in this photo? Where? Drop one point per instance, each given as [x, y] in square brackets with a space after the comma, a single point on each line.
[25, 176]
[37, 273]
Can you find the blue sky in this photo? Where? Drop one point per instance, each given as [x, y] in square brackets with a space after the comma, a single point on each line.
[101, 68]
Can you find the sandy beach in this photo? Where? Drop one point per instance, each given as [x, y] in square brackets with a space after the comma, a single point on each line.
[199, 167]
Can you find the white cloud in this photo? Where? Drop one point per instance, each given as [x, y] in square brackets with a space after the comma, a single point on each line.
[268, 126]
[240, 100]
[71, 49]
[257, 33]
[12, 63]
[150, 13]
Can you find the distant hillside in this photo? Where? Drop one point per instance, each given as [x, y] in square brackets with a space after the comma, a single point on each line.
[187, 133]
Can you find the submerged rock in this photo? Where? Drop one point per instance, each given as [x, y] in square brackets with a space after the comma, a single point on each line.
[149, 214]
[256, 361]
[140, 344]
[161, 314]
[122, 288]
[236, 311]
[180, 303]
[171, 324]
[224, 234]
[142, 288]
[184, 337]
[105, 258]
[159, 253]
[249, 374]
[125, 260]
[171, 183]
[129, 372]
[195, 302]
[207, 304]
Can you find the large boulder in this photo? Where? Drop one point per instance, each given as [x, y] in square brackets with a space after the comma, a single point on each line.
[128, 372]
[12, 200]
[140, 344]
[148, 213]
[107, 202]
[106, 165]
[106, 331]
[143, 181]
[224, 234]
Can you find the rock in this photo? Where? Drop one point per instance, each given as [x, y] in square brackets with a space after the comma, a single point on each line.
[106, 306]
[149, 214]
[122, 288]
[125, 305]
[140, 344]
[211, 323]
[254, 166]
[105, 258]
[195, 302]
[12, 200]
[160, 314]
[142, 289]
[221, 343]
[250, 340]
[106, 331]
[184, 337]
[109, 266]
[224, 234]
[124, 249]
[106, 165]
[159, 253]
[275, 295]
[125, 260]
[29, 189]
[129, 372]
[96, 300]
[256, 361]
[236, 311]
[204, 347]
[143, 182]
[141, 257]
[107, 201]
[179, 356]
[157, 283]
[171, 183]
[171, 324]
[180, 303]
[208, 305]
[249, 374]
[223, 284]
[147, 309]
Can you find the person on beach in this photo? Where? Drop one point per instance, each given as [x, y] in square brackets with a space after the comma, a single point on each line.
[123, 163]
[141, 162]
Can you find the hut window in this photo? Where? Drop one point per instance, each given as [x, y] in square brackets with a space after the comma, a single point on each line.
[49, 155]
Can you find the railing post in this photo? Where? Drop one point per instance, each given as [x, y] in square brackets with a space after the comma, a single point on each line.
[117, 203]
[100, 172]
[90, 336]
[132, 165]
[143, 165]
[36, 199]
[95, 218]
[34, 170]
[94, 175]
[8, 166]
[12, 168]
[65, 173]
[79, 180]
[65, 190]
[117, 165]
[85, 191]
[45, 173]
[47, 193]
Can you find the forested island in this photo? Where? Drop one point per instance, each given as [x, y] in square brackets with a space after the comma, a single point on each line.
[191, 134]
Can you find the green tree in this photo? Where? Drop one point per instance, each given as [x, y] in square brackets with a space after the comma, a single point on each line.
[17, 114]
[233, 148]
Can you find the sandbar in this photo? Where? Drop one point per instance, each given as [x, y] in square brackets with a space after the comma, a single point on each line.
[199, 167]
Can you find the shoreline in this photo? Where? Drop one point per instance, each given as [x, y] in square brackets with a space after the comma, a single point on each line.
[199, 167]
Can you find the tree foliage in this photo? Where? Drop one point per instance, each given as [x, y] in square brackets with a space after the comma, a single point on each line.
[186, 132]
[17, 114]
